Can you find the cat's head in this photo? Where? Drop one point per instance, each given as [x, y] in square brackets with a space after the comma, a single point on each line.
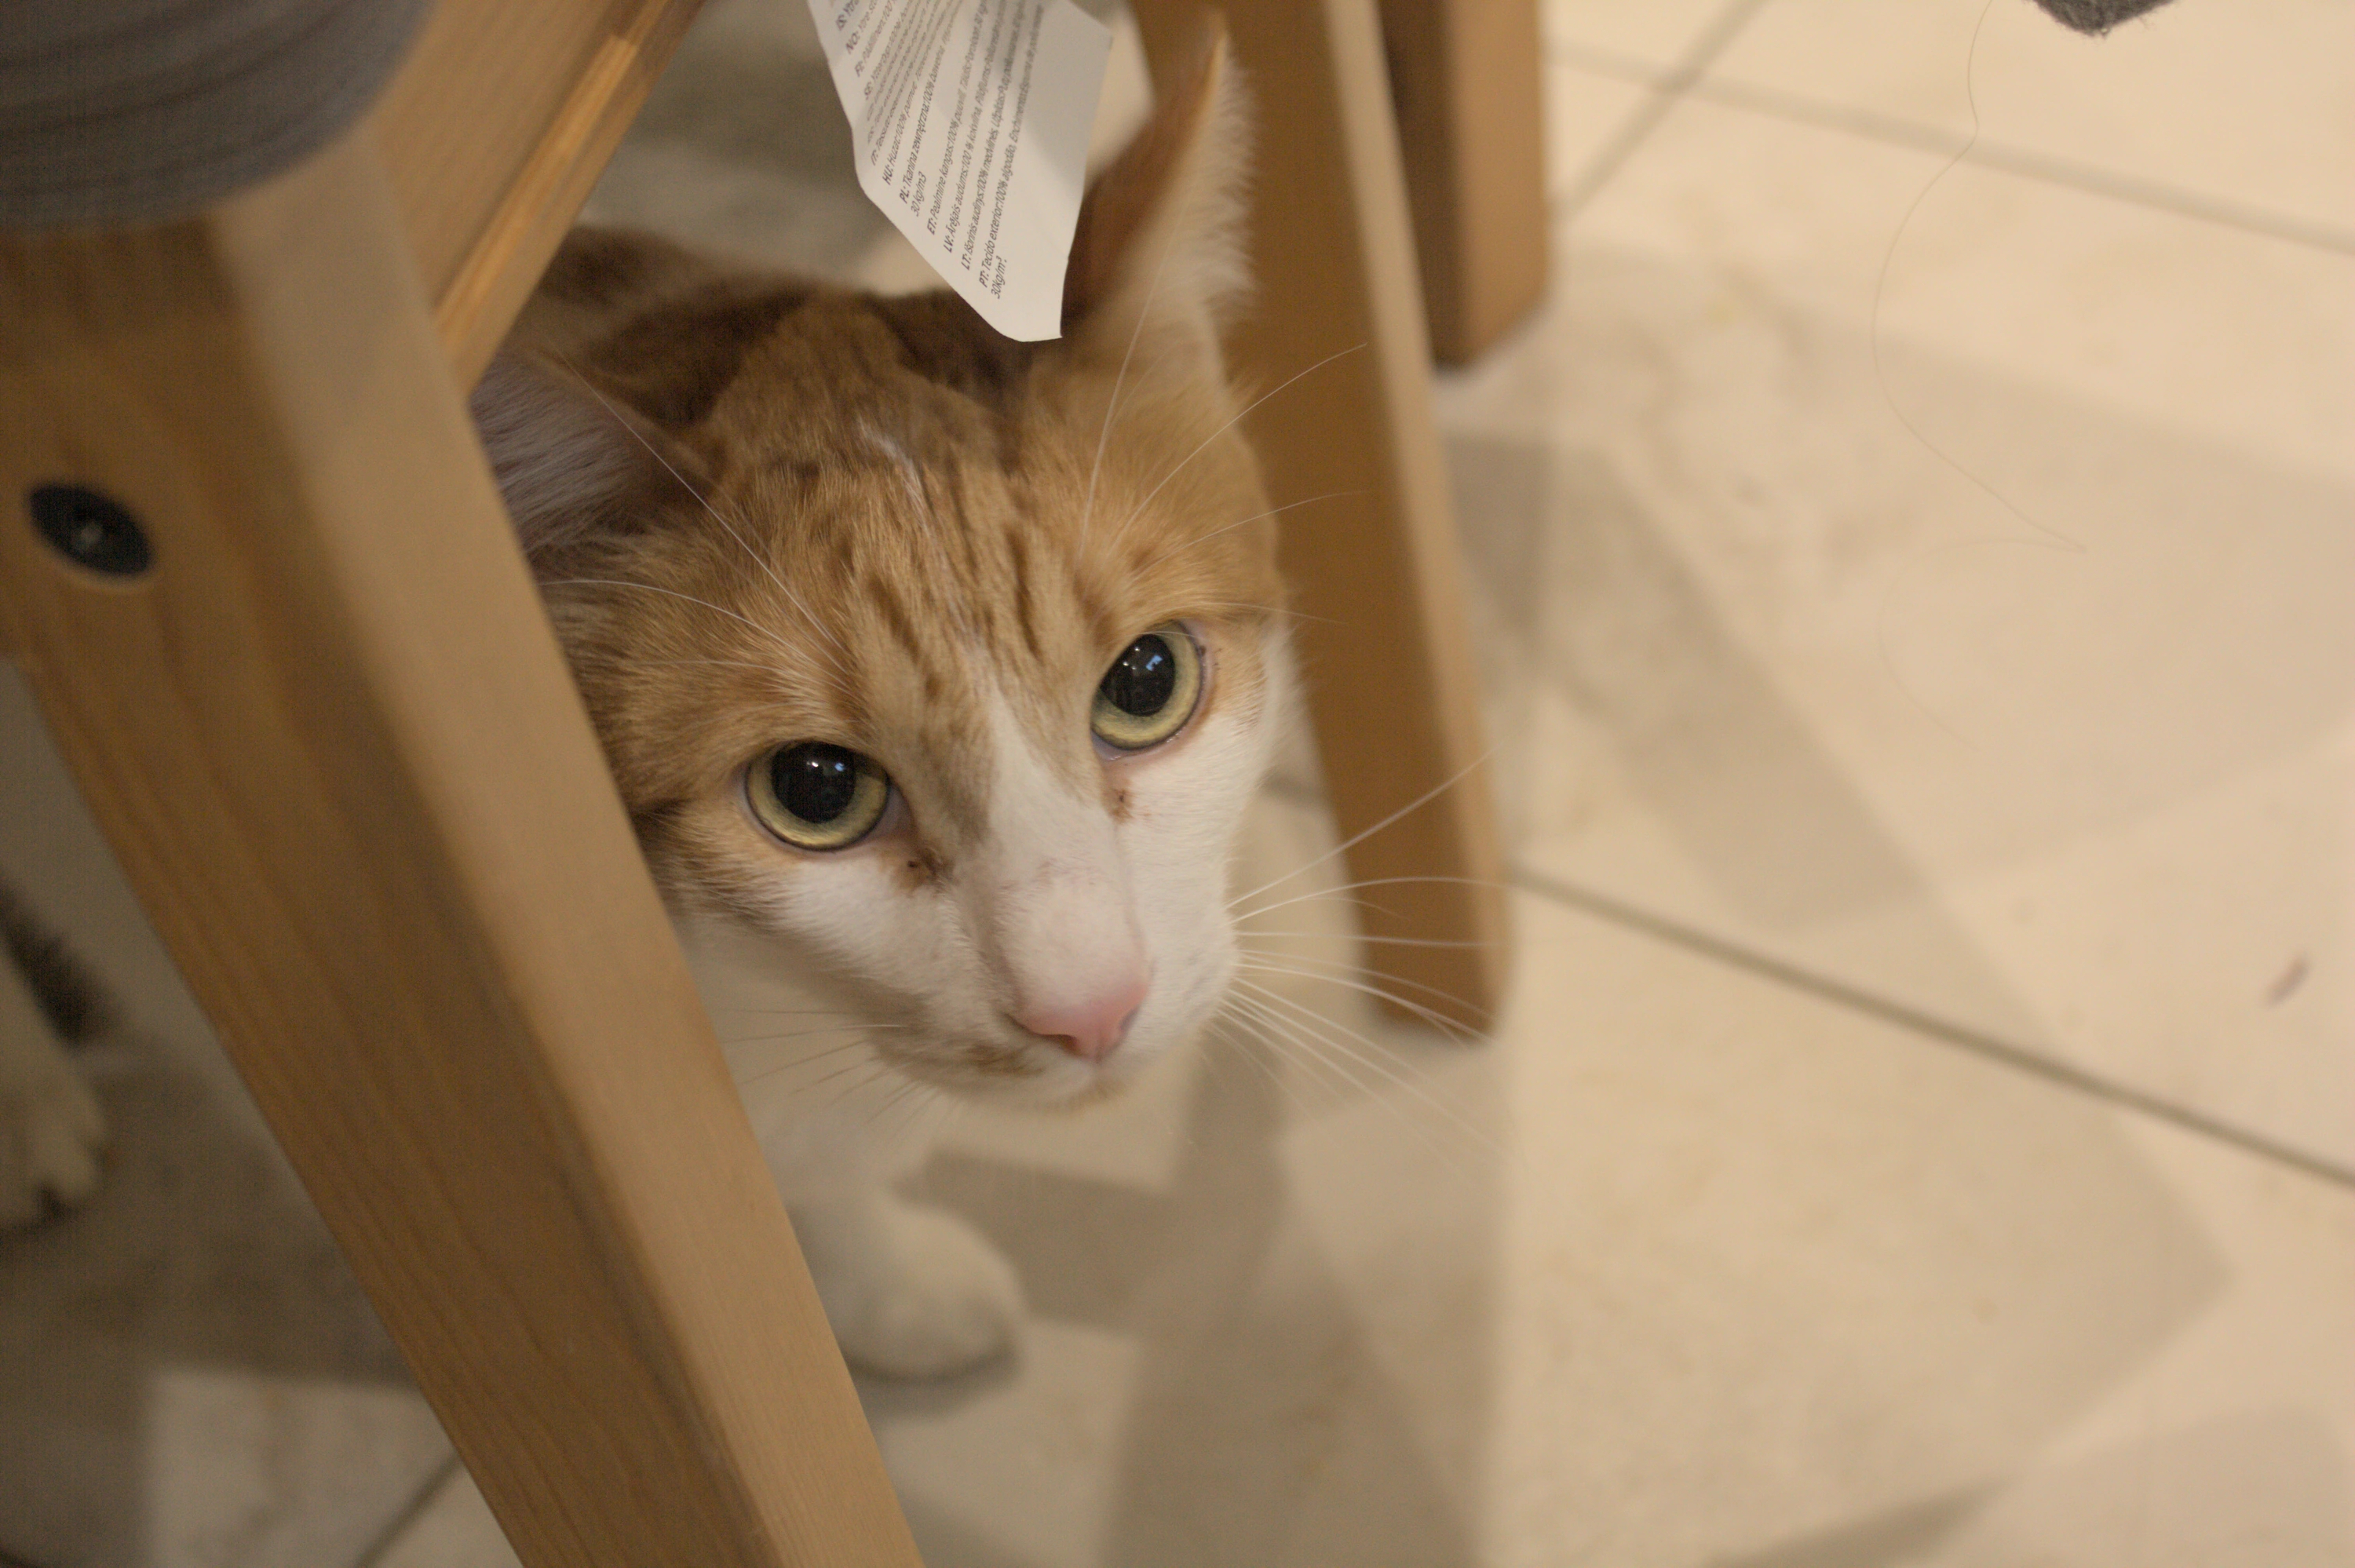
[936, 670]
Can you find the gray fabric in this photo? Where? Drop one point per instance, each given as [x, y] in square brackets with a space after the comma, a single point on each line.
[2097, 15]
[118, 111]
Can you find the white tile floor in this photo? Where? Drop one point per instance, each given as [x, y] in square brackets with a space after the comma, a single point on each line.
[1920, 602]
[1982, 538]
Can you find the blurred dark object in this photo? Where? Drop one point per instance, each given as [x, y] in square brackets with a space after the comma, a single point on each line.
[70, 998]
[2097, 15]
[140, 110]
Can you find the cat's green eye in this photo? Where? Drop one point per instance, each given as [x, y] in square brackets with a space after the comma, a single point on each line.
[817, 796]
[1150, 691]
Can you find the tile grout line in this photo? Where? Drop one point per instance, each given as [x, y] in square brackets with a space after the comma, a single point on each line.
[2029, 164]
[406, 1515]
[1993, 154]
[1840, 994]
[1665, 88]
[1596, 61]
[1986, 1046]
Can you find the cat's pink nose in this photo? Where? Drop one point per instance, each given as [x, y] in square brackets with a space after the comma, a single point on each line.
[1088, 1027]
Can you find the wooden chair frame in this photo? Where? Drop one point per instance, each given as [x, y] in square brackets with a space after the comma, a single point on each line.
[332, 738]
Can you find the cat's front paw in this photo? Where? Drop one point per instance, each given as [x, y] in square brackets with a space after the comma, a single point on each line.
[51, 1132]
[932, 1299]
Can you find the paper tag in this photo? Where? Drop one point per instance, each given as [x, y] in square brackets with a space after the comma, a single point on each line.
[970, 118]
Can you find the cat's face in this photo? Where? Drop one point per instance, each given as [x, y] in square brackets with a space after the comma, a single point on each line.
[936, 670]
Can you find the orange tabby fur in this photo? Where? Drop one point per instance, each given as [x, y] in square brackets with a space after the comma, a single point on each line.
[781, 410]
[766, 511]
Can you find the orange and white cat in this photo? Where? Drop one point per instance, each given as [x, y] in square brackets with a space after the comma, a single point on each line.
[936, 670]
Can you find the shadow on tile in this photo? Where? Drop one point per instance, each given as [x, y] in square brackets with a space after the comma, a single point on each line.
[1264, 1429]
[2047, 618]
[1603, 650]
[189, 1373]
[1889, 1539]
[1260, 1425]
[1591, 605]
[1775, 1262]
[1084, 1249]
[2250, 1491]
[2262, 1490]
[945, 1540]
[2259, 1491]
[2022, 717]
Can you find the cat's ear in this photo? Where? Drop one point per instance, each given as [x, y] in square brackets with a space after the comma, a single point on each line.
[1158, 260]
[572, 464]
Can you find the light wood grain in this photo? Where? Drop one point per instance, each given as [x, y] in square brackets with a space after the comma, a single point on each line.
[332, 740]
[1466, 83]
[493, 132]
[1385, 645]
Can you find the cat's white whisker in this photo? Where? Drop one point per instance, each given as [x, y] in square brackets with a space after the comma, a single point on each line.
[1122, 531]
[1350, 965]
[720, 663]
[787, 1034]
[1333, 1057]
[1455, 1032]
[1255, 517]
[909, 1090]
[876, 1073]
[1341, 894]
[817, 1055]
[802, 1060]
[1380, 1054]
[704, 502]
[1347, 888]
[1264, 610]
[1349, 976]
[788, 649]
[1087, 510]
[798, 1058]
[1208, 1044]
[1285, 1043]
[794, 1058]
[1234, 1016]
[801, 1012]
[927, 1101]
[1379, 941]
[1318, 1023]
[1326, 1018]
[1360, 836]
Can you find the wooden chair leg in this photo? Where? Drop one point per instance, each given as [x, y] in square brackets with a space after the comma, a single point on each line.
[1376, 572]
[328, 731]
[1466, 78]
[495, 131]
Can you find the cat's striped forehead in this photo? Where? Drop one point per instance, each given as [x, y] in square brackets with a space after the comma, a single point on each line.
[765, 511]
[894, 523]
